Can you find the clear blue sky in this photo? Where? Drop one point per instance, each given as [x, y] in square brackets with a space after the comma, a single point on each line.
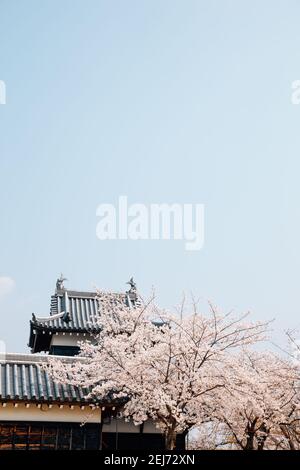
[162, 101]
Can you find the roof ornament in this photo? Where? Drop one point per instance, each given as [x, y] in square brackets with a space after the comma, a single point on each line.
[132, 292]
[60, 282]
[132, 286]
[66, 317]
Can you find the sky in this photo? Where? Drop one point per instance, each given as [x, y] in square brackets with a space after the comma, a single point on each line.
[164, 102]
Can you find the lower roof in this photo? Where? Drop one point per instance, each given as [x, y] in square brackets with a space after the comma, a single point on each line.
[23, 379]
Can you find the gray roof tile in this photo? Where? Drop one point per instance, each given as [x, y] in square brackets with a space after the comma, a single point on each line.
[82, 310]
[23, 379]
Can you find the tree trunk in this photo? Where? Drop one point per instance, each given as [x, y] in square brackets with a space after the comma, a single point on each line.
[250, 433]
[261, 443]
[250, 437]
[170, 439]
[261, 440]
[250, 442]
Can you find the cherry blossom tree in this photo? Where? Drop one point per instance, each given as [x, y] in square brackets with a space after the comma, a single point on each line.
[165, 367]
[290, 426]
[256, 410]
[211, 435]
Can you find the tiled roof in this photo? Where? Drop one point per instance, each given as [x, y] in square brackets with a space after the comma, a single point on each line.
[23, 379]
[75, 311]
[71, 311]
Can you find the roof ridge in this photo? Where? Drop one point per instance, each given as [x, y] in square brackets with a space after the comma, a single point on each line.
[83, 293]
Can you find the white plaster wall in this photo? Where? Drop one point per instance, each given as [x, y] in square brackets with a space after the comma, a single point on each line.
[67, 339]
[65, 414]
[33, 413]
